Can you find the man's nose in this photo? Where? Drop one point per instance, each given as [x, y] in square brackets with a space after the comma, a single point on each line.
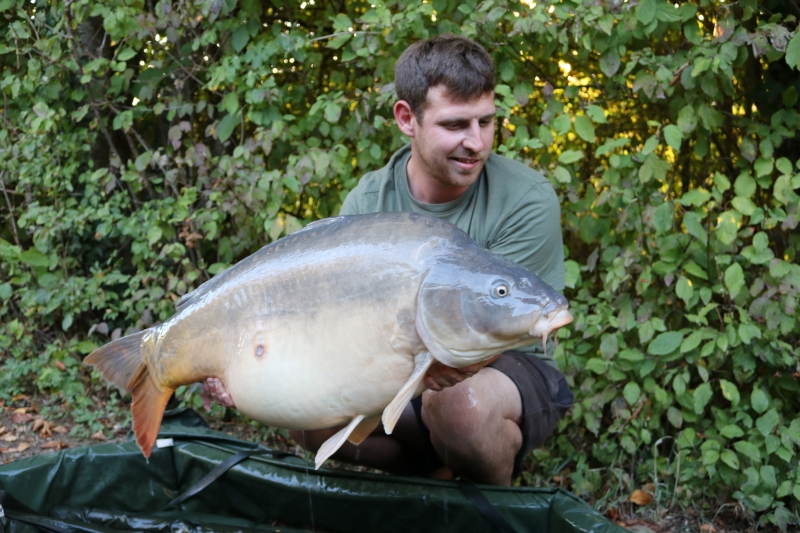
[472, 137]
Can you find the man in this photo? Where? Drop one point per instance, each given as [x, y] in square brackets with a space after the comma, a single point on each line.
[478, 425]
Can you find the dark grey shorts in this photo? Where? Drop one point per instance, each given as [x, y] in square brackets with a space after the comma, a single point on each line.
[545, 398]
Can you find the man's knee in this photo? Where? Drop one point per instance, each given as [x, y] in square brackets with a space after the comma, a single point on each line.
[462, 415]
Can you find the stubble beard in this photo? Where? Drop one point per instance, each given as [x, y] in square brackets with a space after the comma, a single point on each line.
[443, 171]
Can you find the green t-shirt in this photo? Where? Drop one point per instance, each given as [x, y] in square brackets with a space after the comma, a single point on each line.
[510, 210]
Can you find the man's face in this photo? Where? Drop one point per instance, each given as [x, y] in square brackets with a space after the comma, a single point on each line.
[454, 140]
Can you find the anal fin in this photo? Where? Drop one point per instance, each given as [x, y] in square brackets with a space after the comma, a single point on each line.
[391, 414]
[364, 429]
[330, 446]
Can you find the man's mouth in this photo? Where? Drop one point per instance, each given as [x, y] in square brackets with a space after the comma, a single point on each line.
[466, 161]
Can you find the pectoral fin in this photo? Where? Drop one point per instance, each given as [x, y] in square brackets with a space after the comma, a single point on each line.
[364, 429]
[330, 446]
[391, 414]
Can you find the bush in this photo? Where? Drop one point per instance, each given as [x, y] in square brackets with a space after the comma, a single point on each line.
[146, 146]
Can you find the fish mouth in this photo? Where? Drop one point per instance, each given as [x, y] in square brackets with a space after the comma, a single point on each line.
[561, 318]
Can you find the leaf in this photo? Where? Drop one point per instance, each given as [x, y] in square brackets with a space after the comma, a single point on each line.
[227, 125]
[610, 62]
[763, 166]
[332, 112]
[570, 156]
[728, 226]
[744, 185]
[675, 417]
[241, 36]
[663, 217]
[759, 400]
[731, 431]
[748, 449]
[631, 392]
[702, 395]
[695, 197]
[230, 103]
[584, 128]
[665, 343]
[748, 332]
[34, 258]
[687, 120]
[6, 4]
[522, 92]
[766, 424]
[734, 279]
[572, 273]
[339, 41]
[694, 226]
[729, 458]
[562, 124]
[748, 149]
[646, 11]
[562, 174]
[596, 113]
[684, 290]
[674, 137]
[793, 53]
[730, 392]
[640, 497]
[744, 205]
[125, 54]
[154, 234]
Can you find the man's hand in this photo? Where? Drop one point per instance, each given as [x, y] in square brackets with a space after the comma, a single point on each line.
[440, 376]
[214, 392]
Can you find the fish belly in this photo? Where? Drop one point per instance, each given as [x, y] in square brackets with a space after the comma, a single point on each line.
[318, 372]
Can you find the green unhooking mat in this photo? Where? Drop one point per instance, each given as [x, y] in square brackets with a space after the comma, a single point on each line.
[110, 487]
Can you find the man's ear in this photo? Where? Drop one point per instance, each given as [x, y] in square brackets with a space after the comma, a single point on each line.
[405, 118]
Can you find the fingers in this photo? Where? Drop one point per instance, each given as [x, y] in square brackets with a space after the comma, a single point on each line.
[214, 390]
[440, 376]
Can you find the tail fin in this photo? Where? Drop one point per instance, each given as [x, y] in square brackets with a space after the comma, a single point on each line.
[121, 363]
[118, 360]
[149, 402]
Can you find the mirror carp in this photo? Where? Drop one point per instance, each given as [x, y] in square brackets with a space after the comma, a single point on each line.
[337, 323]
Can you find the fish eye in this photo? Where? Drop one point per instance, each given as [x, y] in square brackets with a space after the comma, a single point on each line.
[501, 291]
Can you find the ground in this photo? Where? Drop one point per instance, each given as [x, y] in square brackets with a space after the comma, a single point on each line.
[24, 432]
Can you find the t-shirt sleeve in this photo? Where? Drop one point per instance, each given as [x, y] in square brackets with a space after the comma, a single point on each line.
[350, 204]
[531, 236]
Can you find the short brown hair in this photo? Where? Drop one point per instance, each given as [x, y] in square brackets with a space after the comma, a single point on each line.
[461, 65]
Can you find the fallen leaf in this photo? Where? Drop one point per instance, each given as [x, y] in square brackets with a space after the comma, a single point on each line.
[708, 527]
[2, 429]
[22, 447]
[18, 397]
[21, 410]
[47, 429]
[99, 435]
[37, 424]
[21, 418]
[60, 429]
[59, 365]
[5, 450]
[649, 487]
[10, 437]
[640, 497]
[55, 444]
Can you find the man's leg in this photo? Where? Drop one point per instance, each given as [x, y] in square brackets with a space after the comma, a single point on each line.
[406, 451]
[474, 426]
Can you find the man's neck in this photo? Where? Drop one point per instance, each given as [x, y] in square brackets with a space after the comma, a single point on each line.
[429, 191]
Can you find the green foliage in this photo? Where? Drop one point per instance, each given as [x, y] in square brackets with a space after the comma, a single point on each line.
[144, 147]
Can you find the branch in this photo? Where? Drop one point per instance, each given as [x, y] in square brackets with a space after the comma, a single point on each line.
[345, 33]
[101, 123]
[10, 208]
